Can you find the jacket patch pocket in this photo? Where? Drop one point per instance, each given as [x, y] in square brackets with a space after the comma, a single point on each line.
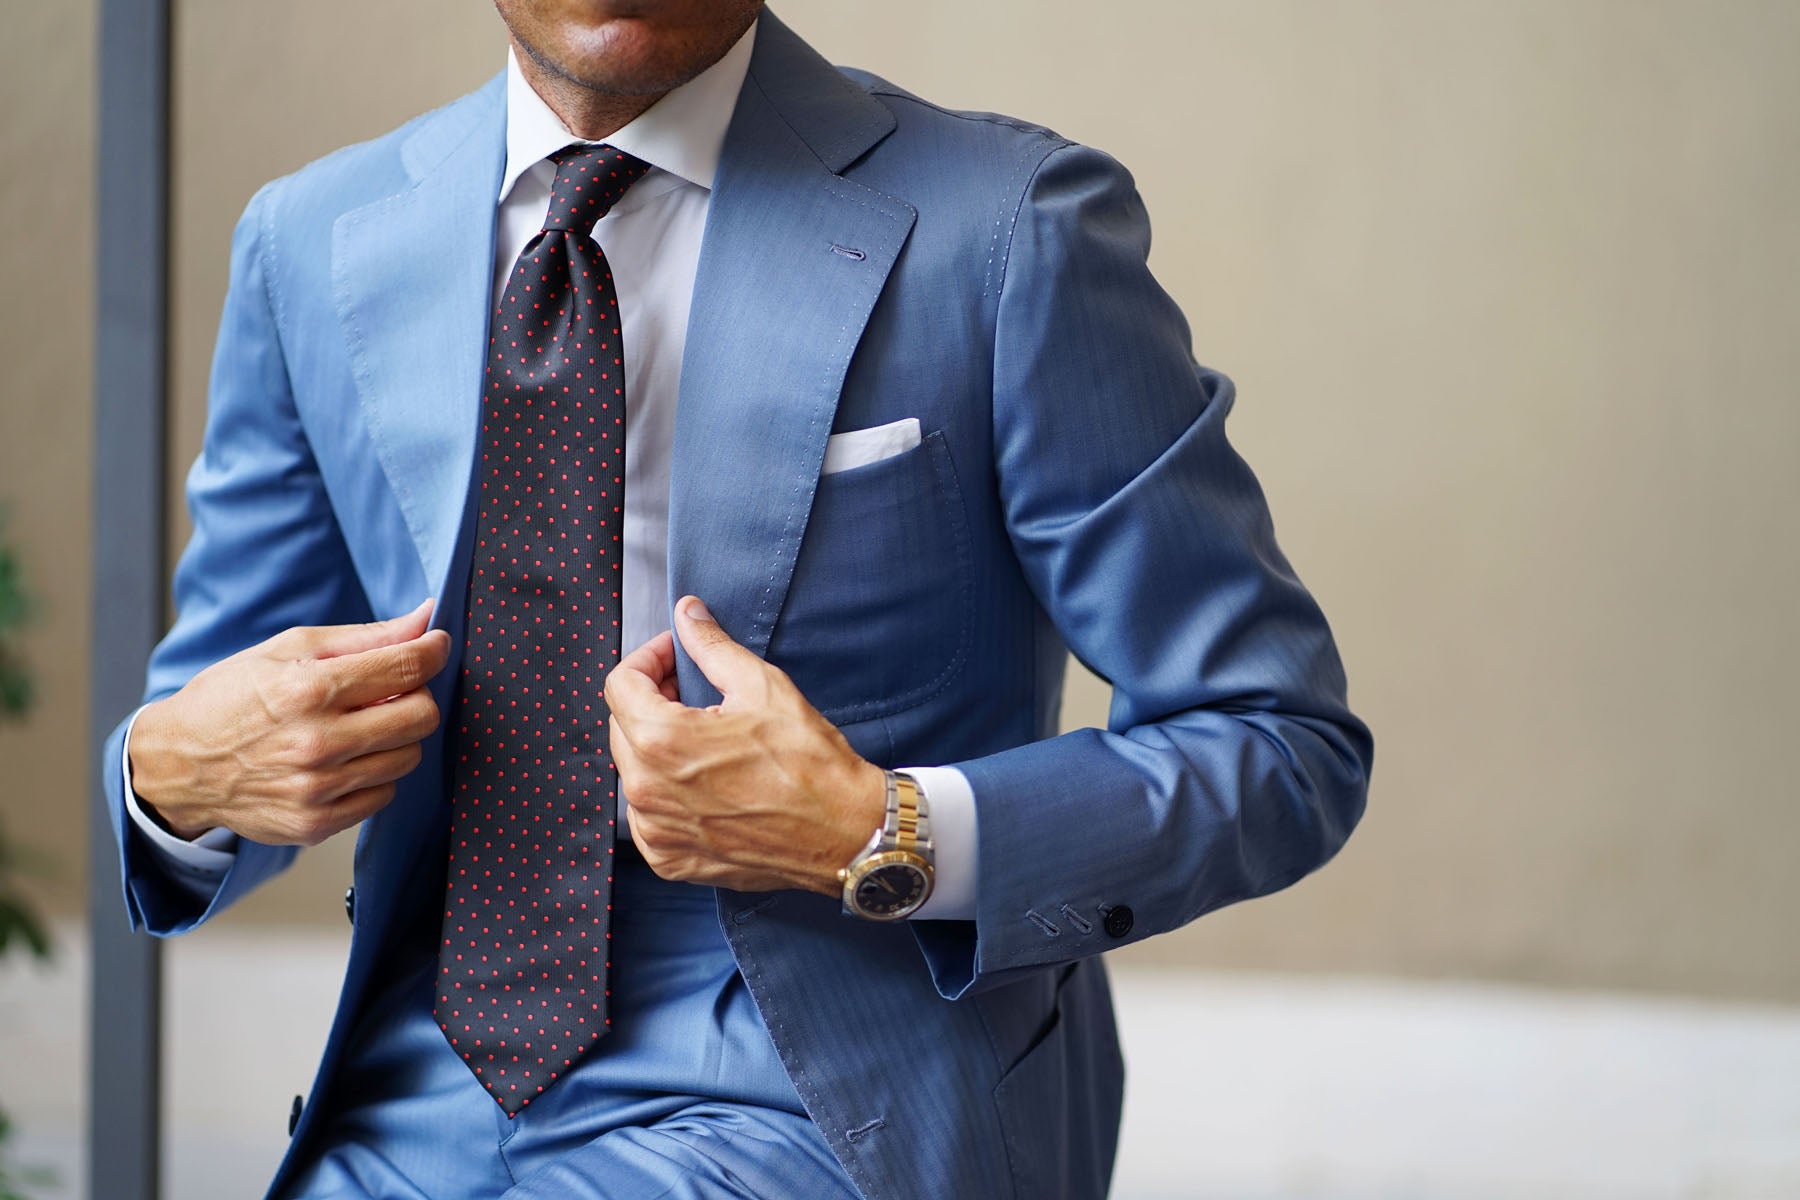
[1058, 1103]
[877, 617]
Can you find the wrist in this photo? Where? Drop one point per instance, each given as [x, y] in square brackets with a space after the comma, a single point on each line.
[149, 760]
[866, 803]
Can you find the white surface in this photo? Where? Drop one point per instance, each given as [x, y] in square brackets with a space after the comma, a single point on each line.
[1242, 1087]
[1263, 1086]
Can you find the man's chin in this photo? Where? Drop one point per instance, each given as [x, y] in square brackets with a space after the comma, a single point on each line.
[625, 57]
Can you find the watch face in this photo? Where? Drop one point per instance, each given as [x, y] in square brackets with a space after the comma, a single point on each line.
[890, 890]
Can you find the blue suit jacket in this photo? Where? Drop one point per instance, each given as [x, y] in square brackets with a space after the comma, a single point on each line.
[867, 257]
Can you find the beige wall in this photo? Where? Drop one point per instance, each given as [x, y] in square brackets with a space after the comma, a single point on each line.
[1509, 288]
[46, 405]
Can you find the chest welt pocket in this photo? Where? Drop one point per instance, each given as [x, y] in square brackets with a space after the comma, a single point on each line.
[877, 618]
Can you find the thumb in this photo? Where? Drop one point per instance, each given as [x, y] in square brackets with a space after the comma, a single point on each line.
[726, 665]
[331, 641]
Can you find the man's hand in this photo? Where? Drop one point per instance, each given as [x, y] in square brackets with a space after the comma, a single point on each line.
[756, 793]
[294, 739]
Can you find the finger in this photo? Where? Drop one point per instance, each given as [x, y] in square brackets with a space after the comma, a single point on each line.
[632, 696]
[655, 658]
[727, 665]
[369, 676]
[643, 677]
[329, 641]
[625, 758]
[374, 770]
[401, 721]
[358, 806]
[645, 748]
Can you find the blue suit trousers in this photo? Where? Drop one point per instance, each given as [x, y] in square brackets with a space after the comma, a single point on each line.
[684, 1097]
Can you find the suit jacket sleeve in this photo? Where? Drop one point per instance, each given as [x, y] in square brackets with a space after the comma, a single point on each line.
[1231, 765]
[266, 554]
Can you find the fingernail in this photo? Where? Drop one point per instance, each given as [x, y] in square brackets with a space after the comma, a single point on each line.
[696, 609]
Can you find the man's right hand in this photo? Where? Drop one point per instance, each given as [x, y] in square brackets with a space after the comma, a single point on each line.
[294, 739]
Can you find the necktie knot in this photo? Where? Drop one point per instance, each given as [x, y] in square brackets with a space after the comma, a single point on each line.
[589, 181]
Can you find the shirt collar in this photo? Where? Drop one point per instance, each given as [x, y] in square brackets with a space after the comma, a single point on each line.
[682, 133]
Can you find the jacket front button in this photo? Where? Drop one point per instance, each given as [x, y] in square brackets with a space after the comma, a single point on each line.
[1118, 920]
[294, 1116]
[350, 904]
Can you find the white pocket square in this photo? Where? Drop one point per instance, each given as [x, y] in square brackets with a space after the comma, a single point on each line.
[860, 447]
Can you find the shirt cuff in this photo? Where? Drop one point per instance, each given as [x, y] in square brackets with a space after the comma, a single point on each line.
[950, 803]
[199, 864]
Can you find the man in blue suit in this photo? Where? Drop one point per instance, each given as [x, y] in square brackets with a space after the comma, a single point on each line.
[902, 405]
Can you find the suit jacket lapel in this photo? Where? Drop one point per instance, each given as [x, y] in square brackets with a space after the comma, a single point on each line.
[412, 276]
[794, 259]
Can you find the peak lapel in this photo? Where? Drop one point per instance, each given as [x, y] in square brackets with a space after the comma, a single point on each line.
[413, 275]
[794, 259]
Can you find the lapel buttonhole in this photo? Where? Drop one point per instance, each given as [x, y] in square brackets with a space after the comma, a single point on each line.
[850, 252]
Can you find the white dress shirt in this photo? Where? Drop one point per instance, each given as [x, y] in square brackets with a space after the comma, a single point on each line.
[651, 239]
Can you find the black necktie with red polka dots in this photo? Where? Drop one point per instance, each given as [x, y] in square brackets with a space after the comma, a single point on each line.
[522, 966]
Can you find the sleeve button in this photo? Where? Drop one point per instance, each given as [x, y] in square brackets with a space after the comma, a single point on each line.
[1118, 920]
[294, 1115]
[350, 905]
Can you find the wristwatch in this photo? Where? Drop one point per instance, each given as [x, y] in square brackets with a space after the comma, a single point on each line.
[892, 875]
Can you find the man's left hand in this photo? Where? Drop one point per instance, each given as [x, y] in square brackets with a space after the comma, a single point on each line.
[755, 793]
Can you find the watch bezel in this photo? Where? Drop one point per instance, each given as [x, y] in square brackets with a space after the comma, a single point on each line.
[854, 876]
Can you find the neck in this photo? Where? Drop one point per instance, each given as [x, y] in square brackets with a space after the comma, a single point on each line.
[590, 114]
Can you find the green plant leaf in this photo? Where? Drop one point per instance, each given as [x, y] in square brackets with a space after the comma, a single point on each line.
[15, 605]
[18, 921]
[15, 690]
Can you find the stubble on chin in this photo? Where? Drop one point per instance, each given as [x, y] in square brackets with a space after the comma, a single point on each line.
[626, 56]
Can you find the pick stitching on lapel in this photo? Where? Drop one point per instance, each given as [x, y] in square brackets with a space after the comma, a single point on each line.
[411, 277]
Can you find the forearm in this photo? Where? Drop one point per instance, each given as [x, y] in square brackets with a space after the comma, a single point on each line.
[1163, 823]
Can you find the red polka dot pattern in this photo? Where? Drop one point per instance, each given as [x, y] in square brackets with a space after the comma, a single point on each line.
[522, 966]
